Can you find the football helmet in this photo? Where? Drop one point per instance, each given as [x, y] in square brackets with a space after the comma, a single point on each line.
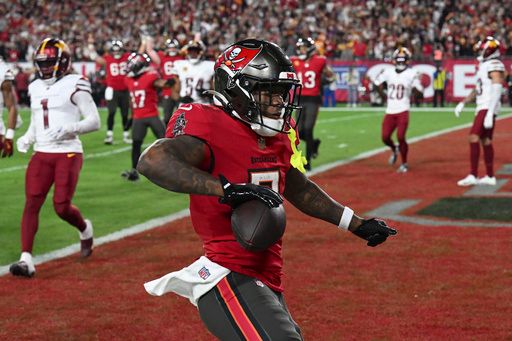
[254, 79]
[305, 47]
[195, 51]
[117, 48]
[138, 63]
[52, 59]
[401, 58]
[488, 48]
[172, 47]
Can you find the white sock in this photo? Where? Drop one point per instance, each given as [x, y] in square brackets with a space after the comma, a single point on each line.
[126, 134]
[110, 133]
[87, 233]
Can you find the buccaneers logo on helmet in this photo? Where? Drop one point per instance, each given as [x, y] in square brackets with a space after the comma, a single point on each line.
[237, 57]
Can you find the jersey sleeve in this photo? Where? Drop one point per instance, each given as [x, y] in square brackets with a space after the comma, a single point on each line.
[380, 78]
[416, 81]
[495, 65]
[190, 119]
[83, 84]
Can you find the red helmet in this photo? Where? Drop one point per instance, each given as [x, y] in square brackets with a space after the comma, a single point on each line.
[487, 49]
[52, 59]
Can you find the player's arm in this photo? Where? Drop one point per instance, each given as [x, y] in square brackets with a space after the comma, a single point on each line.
[497, 79]
[468, 99]
[309, 198]
[166, 83]
[378, 82]
[329, 74]
[174, 164]
[6, 146]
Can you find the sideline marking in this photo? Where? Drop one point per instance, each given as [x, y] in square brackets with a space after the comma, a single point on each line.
[393, 209]
[148, 225]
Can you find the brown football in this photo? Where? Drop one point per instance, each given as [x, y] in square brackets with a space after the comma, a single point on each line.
[256, 226]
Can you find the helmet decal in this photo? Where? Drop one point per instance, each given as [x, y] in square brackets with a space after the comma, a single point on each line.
[237, 57]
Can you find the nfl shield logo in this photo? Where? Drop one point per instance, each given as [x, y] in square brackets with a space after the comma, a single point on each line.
[204, 273]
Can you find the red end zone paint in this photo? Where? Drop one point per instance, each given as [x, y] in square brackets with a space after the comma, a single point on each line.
[426, 283]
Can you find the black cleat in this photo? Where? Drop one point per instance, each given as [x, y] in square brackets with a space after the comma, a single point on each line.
[21, 269]
[131, 175]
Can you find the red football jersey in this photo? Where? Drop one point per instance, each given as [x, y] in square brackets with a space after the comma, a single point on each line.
[143, 94]
[116, 71]
[241, 156]
[309, 72]
[167, 69]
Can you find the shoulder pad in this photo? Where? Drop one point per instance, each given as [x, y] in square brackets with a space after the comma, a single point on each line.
[83, 84]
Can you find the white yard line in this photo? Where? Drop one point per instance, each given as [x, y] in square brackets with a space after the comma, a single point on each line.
[148, 225]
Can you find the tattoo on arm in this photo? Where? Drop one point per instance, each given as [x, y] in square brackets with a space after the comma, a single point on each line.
[174, 165]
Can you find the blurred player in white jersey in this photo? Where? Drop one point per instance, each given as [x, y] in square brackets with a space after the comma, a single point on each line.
[401, 82]
[195, 74]
[7, 99]
[58, 102]
[490, 77]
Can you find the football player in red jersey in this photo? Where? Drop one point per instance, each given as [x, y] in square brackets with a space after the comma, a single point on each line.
[242, 148]
[143, 81]
[310, 68]
[167, 59]
[116, 92]
[62, 109]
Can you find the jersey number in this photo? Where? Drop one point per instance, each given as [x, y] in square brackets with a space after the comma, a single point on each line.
[118, 69]
[396, 91]
[308, 80]
[189, 86]
[478, 87]
[269, 178]
[138, 98]
[169, 68]
[44, 103]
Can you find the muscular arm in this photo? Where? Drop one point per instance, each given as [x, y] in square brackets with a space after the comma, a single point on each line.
[173, 164]
[329, 74]
[10, 103]
[313, 201]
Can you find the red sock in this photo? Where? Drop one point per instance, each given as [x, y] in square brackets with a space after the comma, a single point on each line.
[489, 159]
[403, 147]
[474, 155]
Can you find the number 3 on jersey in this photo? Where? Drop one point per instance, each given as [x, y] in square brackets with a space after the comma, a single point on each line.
[265, 177]
[138, 97]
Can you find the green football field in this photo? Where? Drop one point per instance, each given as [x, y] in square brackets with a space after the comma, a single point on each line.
[112, 203]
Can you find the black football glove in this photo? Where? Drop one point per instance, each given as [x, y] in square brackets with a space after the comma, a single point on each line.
[235, 194]
[374, 231]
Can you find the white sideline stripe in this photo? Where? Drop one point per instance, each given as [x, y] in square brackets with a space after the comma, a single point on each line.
[148, 225]
[69, 250]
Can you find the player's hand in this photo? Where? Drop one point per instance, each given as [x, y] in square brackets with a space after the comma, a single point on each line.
[374, 231]
[488, 120]
[236, 194]
[64, 132]
[458, 109]
[23, 144]
[6, 148]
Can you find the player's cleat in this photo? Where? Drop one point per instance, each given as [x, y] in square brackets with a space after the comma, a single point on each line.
[86, 240]
[487, 180]
[126, 138]
[393, 157]
[131, 175]
[403, 168]
[22, 269]
[469, 180]
[109, 140]
[316, 145]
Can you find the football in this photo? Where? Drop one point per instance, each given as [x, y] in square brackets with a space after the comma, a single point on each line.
[256, 226]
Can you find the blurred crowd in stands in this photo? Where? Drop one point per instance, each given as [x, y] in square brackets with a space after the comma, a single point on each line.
[343, 29]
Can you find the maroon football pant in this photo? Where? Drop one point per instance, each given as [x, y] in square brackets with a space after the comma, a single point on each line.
[44, 170]
[474, 148]
[400, 122]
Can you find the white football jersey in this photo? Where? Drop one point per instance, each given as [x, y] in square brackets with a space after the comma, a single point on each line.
[194, 77]
[53, 107]
[5, 74]
[484, 84]
[400, 86]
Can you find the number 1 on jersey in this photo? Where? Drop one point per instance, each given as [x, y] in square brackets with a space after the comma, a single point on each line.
[44, 103]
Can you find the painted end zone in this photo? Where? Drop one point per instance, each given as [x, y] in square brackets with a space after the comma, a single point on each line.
[429, 282]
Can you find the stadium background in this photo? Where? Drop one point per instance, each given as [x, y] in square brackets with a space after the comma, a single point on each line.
[425, 274]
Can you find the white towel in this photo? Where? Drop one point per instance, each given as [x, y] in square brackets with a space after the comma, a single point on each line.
[191, 282]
